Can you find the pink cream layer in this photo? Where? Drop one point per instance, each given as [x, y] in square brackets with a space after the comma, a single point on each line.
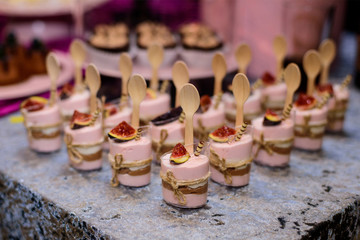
[151, 108]
[47, 116]
[284, 131]
[175, 130]
[251, 106]
[318, 116]
[232, 152]
[274, 96]
[133, 151]
[211, 118]
[340, 95]
[194, 168]
[77, 101]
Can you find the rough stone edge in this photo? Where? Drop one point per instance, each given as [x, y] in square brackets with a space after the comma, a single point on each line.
[343, 225]
[25, 214]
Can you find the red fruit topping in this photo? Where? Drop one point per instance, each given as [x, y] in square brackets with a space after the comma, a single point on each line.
[110, 109]
[123, 132]
[268, 79]
[305, 102]
[66, 91]
[271, 118]
[80, 120]
[179, 154]
[205, 103]
[33, 104]
[326, 88]
[222, 134]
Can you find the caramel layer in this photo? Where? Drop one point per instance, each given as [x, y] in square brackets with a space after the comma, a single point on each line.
[187, 190]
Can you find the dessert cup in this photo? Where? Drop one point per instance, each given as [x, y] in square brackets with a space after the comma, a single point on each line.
[131, 161]
[273, 144]
[273, 96]
[337, 107]
[84, 146]
[230, 162]
[206, 122]
[309, 128]
[185, 185]
[77, 101]
[153, 107]
[252, 107]
[43, 128]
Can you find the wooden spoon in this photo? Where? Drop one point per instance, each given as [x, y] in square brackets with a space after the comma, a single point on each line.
[279, 46]
[241, 90]
[219, 69]
[78, 54]
[243, 57]
[92, 78]
[180, 75]
[137, 91]
[156, 56]
[312, 67]
[53, 69]
[125, 67]
[327, 51]
[292, 77]
[190, 100]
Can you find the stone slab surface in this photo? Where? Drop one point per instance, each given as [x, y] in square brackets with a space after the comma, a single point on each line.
[317, 196]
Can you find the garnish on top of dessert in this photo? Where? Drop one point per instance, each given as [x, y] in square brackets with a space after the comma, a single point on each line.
[268, 79]
[205, 103]
[110, 37]
[150, 93]
[271, 118]
[222, 134]
[150, 33]
[80, 120]
[109, 110]
[122, 132]
[305, 102]
[199, 36]
[66, 91]
[34, 103]
[325, 88]
[168, 117]
[179, 154]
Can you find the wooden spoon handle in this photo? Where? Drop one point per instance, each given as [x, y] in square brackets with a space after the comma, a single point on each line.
[239, 116]
[324, 74]
[242, 69]
[154, 80]
[78, 79]
[310, 86]
[217, 87]
[93, 102]
[189, 137]
[279, 68]
[177, 98]
[135, 115]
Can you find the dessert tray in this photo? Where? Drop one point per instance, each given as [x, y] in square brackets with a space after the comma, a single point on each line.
[39, 83]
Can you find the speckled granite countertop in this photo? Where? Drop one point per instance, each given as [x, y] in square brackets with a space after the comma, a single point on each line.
[318, 195]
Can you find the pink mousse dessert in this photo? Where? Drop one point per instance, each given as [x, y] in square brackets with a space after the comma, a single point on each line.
[71, 101]
[273, 93]
[43, 124]
[166, 131]
[310, 122]
[273, 140]
[130, 156]
[184, 178]
[337, 105]
[84, 138]
[252, 106]
[230, 158]
[153, 105]
[209, 117]
[112, 116]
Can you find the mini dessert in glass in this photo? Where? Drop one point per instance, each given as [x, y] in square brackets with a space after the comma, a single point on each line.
[166, 131]
[273, 93]
[252, 106]
[184, 178]
[273, 140]
[70, 100]
[154, 104]
[199, 44]
[130, 156]
[230, 156]
[310, 122]
[149, 33]
[209, 117]
[35, 58]
[43, 124]
[84, 138]
[337, 105]
[113, 114]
